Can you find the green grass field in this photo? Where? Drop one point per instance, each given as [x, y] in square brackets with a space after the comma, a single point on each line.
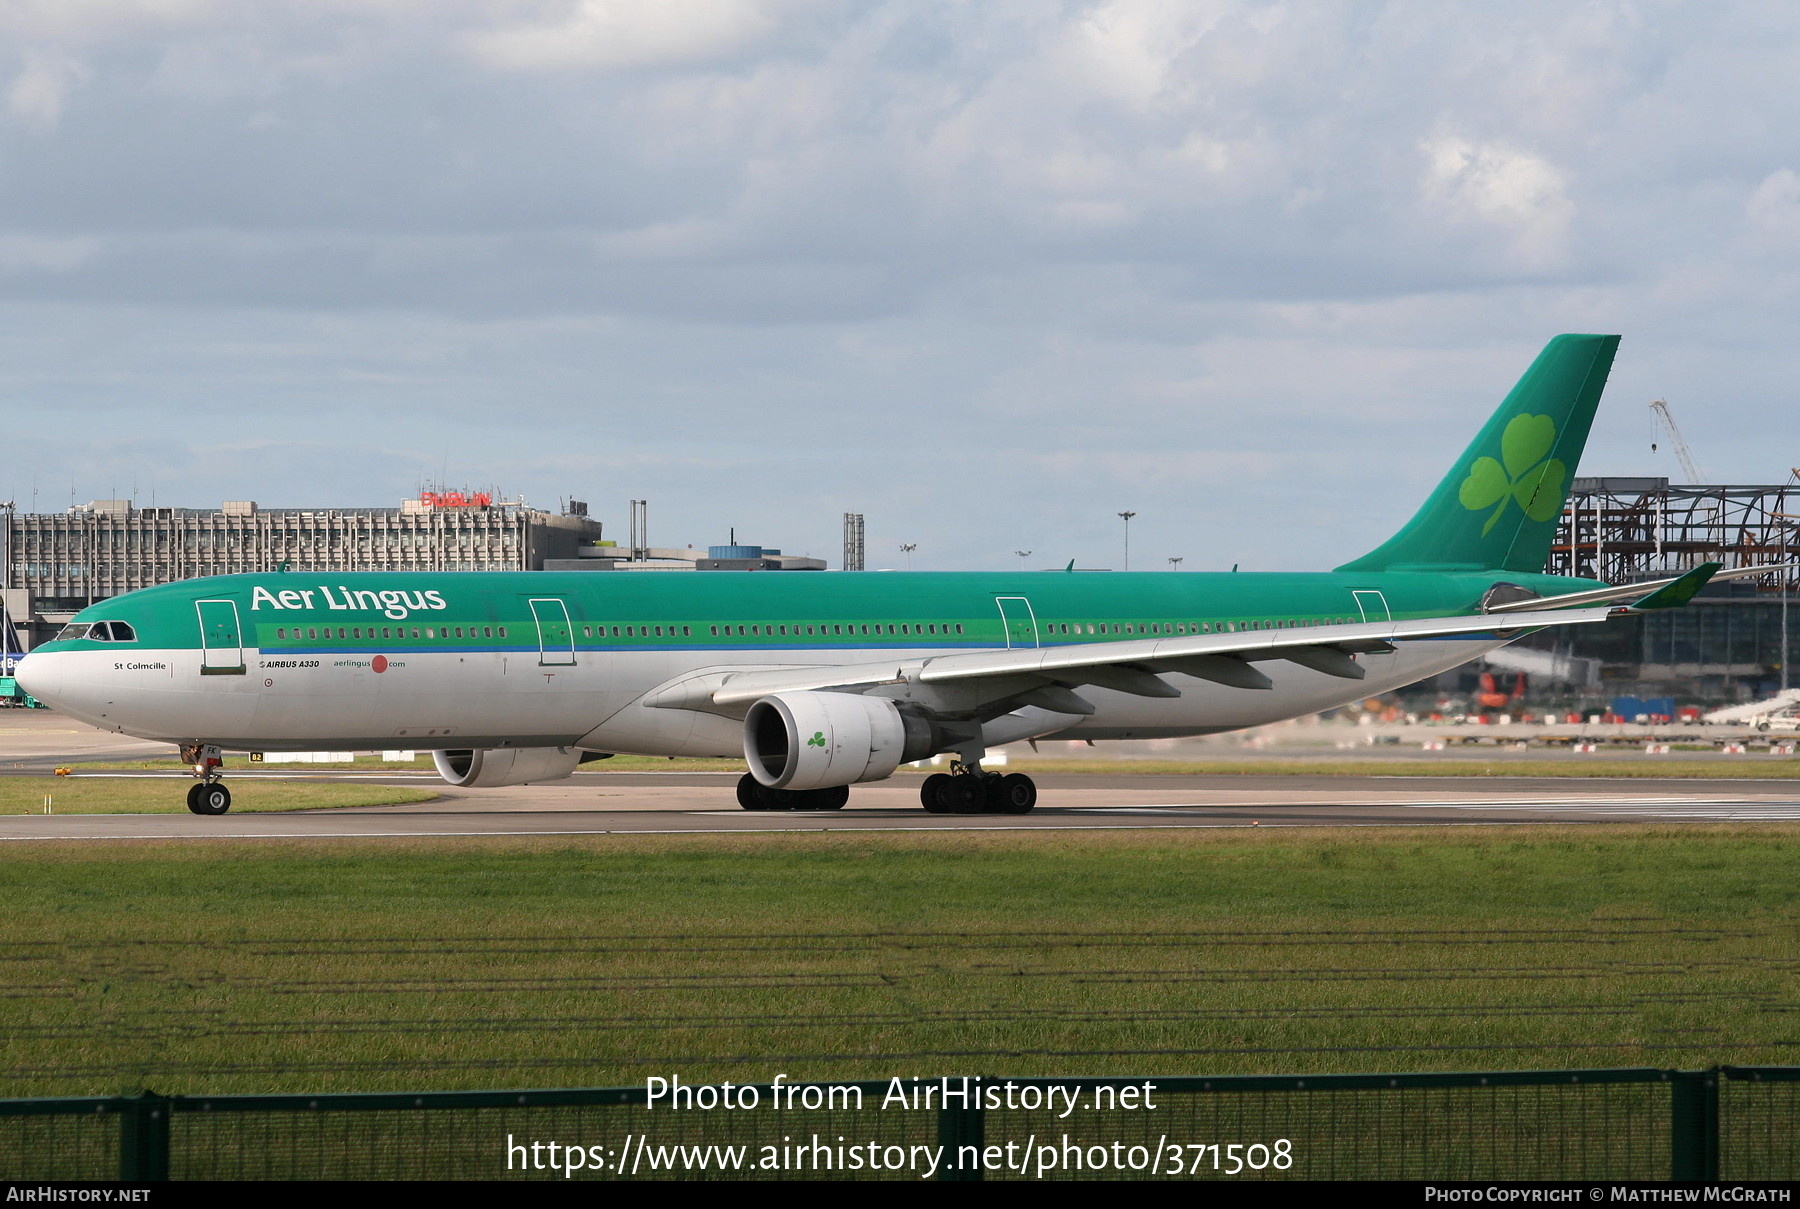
[168, 795]
[369, 965]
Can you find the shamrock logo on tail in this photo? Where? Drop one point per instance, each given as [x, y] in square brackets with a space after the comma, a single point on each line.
[818, 739]
[1529, 474]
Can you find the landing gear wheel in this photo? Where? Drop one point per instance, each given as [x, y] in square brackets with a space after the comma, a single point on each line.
[209, 797]
[932, 795]
[834, 798]
[754, 795]
[967, 794]
[751, 795]
[1014, 793]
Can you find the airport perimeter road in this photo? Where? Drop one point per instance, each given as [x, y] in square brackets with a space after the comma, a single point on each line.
[599, 804]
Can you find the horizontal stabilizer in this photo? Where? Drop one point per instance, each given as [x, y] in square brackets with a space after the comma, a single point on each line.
[1629, 591]
[1673, 596]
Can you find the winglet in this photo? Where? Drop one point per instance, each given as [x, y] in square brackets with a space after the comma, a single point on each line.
[1673, 596]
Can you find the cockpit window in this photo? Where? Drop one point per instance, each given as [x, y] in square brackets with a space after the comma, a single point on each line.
[98, 631]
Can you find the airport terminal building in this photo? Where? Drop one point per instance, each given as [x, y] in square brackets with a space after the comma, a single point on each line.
[59, 563]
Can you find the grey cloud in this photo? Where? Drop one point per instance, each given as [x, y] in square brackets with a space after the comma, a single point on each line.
[980, 271]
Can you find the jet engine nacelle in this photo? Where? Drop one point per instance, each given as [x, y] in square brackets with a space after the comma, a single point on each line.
[810, 740]
[494, 767]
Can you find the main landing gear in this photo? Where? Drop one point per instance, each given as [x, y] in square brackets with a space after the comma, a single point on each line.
[752, 794]
[209, 796]
[970, 791]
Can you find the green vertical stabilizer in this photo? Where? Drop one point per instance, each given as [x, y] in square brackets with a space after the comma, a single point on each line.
[1497, 508]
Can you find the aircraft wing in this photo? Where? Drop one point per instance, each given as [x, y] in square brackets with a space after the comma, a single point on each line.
[1130, 665]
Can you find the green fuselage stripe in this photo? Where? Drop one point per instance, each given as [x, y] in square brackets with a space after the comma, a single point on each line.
[770, 612]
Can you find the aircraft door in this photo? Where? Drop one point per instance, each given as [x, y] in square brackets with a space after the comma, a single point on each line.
[1018, 621]
[1373, 605]
[221, 641]
[556, 637]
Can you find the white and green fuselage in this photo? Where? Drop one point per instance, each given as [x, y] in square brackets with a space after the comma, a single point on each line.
[303, 661]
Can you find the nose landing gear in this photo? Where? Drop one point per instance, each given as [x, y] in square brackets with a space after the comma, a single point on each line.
[209, 796]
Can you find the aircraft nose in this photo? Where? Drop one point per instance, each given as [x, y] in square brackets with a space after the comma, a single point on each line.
[44, 676]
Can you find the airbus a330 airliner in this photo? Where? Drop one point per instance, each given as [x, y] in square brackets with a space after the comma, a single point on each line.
[824, 681]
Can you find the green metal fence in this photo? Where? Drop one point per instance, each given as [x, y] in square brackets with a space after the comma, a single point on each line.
[1735, 1123]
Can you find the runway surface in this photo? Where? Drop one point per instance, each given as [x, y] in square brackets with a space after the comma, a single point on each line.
[689, 803]
[650, 803]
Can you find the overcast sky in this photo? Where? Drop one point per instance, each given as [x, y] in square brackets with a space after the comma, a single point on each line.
[987, 272]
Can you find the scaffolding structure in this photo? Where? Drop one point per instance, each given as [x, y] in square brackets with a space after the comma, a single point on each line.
[853, 541]
[1623, 529]
[1736, 641]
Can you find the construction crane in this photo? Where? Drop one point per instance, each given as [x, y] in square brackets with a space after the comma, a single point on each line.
[1662, 422]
